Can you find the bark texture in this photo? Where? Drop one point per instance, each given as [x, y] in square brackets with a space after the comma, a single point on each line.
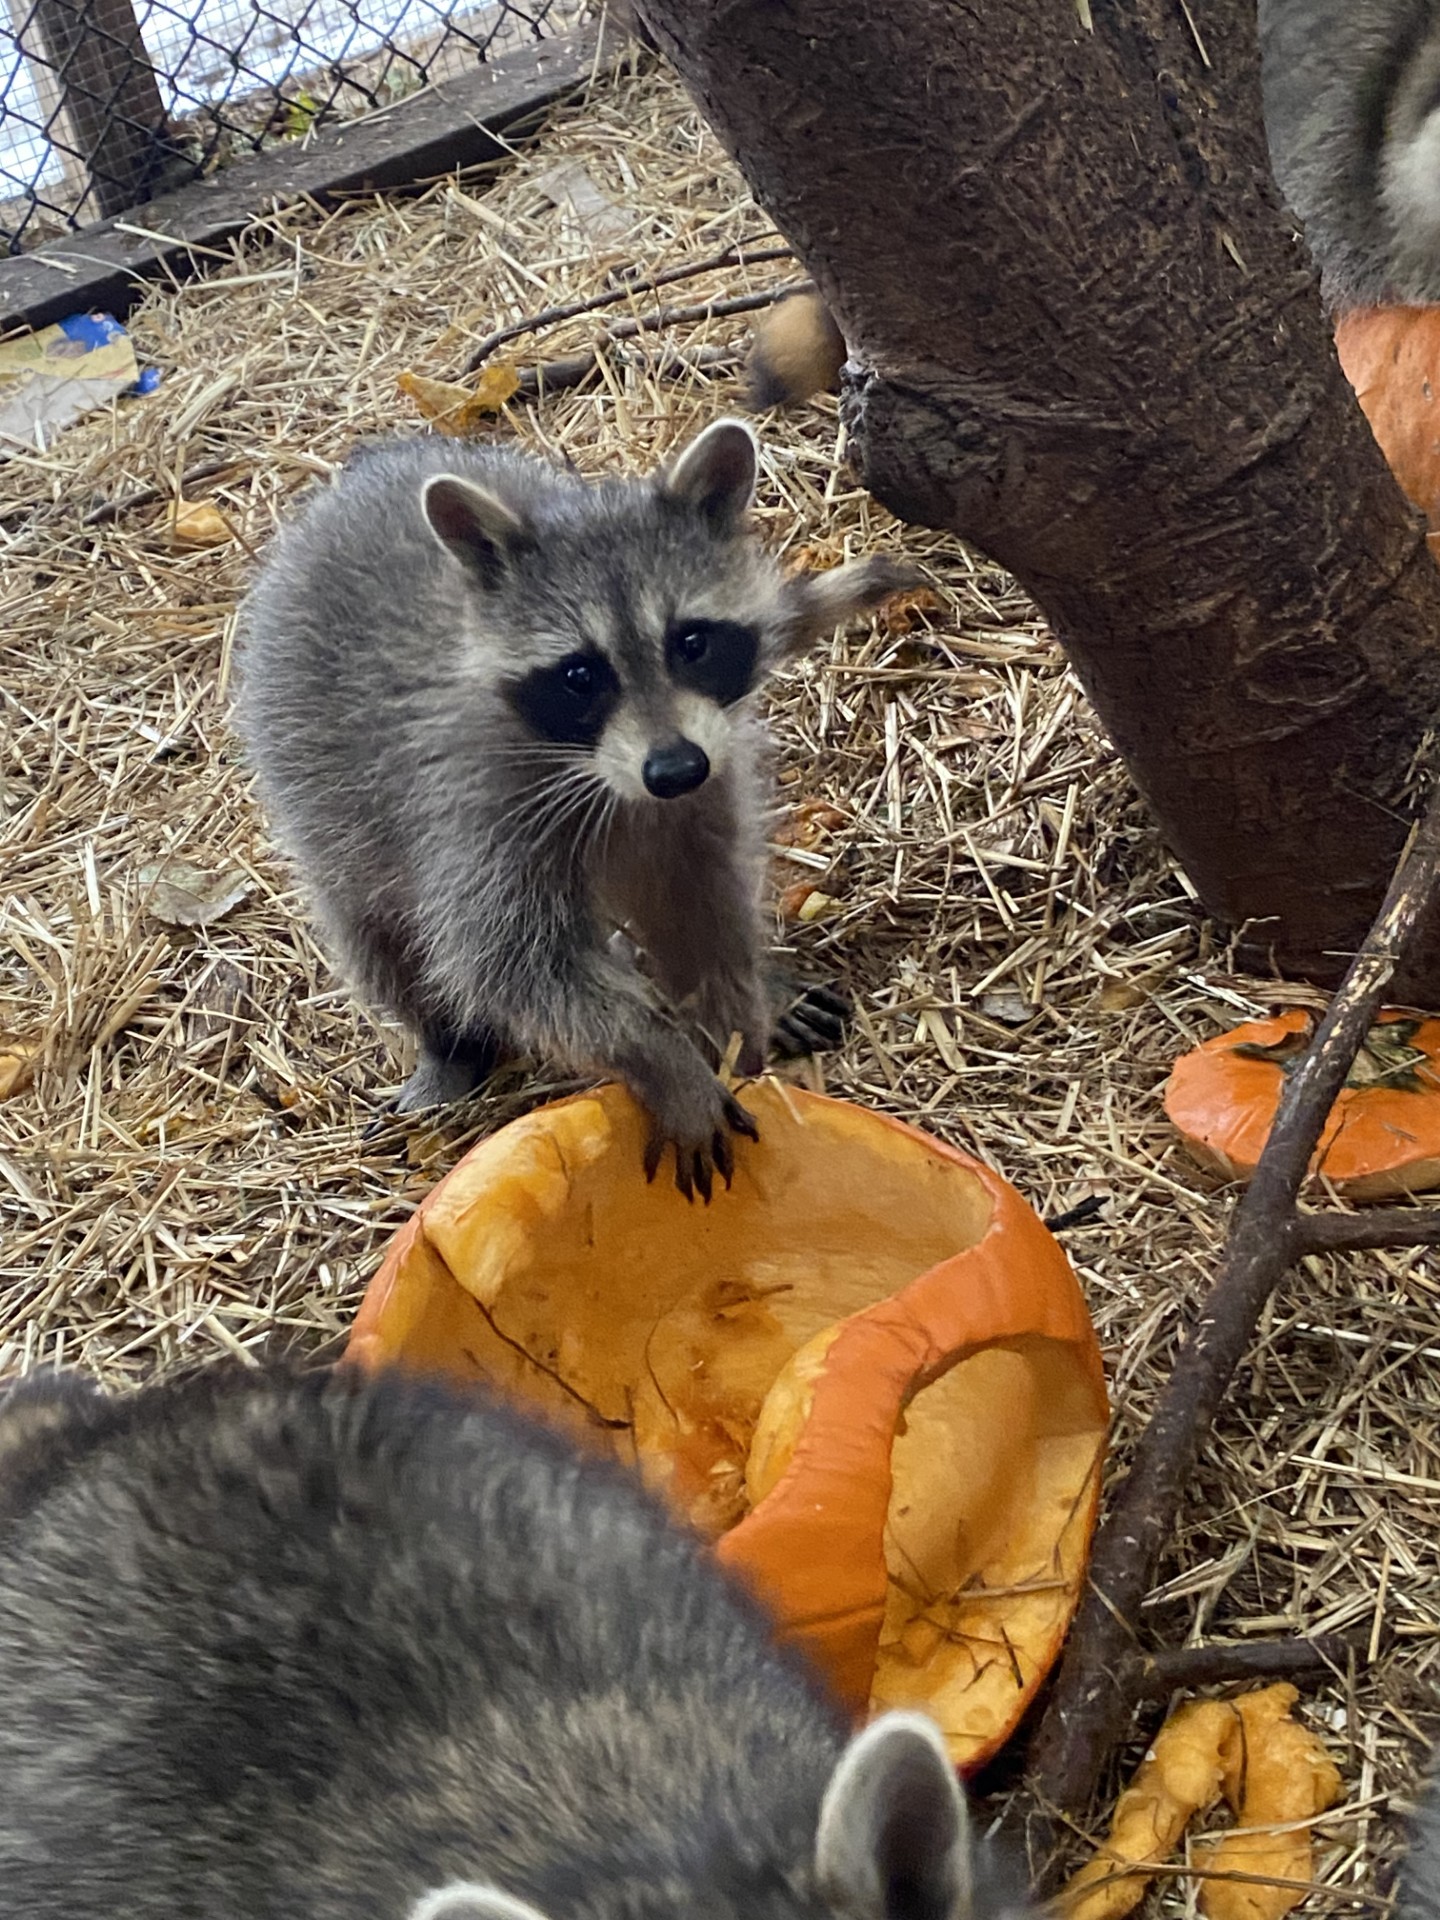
[1084, 338]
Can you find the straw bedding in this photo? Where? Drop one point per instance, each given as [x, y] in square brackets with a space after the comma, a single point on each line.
[185, 1175]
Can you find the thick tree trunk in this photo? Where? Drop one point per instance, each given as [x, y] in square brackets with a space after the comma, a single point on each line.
[1089, 343]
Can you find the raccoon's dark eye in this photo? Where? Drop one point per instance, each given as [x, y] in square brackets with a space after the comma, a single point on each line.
[713, 657]
[568, 703]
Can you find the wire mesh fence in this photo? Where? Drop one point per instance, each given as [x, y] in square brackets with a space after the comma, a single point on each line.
[104, 103]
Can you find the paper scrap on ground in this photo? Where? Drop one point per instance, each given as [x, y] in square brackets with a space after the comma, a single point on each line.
[51, 378]
[570, 188]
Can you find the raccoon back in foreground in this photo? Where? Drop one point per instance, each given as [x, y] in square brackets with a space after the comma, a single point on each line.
[1352, 113]
[498, 715]
[1419, 1891]
[335, 1648]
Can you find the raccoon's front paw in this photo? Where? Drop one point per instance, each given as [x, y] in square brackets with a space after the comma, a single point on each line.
[808, 1019]
[434, 1083]
[701, 1143]
[448, 1070]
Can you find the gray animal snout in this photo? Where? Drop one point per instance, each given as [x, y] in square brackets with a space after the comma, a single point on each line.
[670, 771]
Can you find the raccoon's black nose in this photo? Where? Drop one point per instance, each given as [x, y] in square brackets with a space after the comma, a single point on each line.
[670, 771]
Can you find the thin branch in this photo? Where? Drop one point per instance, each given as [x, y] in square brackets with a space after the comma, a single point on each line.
[735, 256]
[1354, 1232]
[702, 310]
[1090, 1208]
[144, 496]
[1179, 1669]
[1090, 1709]
[553, 376]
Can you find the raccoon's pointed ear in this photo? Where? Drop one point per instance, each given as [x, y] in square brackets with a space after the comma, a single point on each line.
[472, 1900]
[894, 1835]
[817, 603]
[715, 475]
[482, 532]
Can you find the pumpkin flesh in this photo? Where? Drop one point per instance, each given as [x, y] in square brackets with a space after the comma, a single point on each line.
[866, 1370]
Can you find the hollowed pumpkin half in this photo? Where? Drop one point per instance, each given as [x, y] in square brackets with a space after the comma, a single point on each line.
[866, 1370]
[1382, 1136]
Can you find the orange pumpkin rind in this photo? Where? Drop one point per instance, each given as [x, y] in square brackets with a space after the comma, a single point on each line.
[1391, 357]
[1379, 1140]
[924, 1426]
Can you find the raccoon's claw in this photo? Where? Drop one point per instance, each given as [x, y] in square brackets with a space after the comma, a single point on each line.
[815, 1022]
[654, 1154]
[702, 1176]
[738, 1121]
[692, 1169]
[696, 1167]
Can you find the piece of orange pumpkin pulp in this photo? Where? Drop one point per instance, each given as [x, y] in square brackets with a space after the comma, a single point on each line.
[866, 1370]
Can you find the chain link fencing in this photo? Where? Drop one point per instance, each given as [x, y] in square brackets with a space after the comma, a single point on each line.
[104, 103]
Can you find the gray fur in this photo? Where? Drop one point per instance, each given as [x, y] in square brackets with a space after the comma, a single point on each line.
[1420, 1873]
[329, 1648]
[469, 876]
[1352, 111]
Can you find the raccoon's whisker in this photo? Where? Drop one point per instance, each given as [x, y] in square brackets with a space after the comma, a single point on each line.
[552, 781]
[539, 751]
[567, 797]
[557, 768]
[578, 815]
[609, 813]
[534, 802]
[595, 820]
[566, 780]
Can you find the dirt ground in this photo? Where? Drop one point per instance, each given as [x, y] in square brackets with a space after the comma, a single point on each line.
[185, 1174]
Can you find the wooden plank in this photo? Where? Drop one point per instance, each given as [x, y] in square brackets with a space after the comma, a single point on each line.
[114, 118]
[451, 124]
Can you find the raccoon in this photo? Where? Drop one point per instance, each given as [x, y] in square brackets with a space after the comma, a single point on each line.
[1419, 1896]
[499, 715]
[339, 1648]
[1352, 113]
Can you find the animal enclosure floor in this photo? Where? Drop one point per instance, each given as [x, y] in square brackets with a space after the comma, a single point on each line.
[186, 1175]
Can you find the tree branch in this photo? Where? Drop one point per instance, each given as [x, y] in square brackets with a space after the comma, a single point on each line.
[735, 256]
[1090, 1709]
[1354, 1232]
[1177, 1670]
[553, 376]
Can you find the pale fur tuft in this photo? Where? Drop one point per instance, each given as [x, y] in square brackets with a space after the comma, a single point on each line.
[1349, 88]
[797, 352]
